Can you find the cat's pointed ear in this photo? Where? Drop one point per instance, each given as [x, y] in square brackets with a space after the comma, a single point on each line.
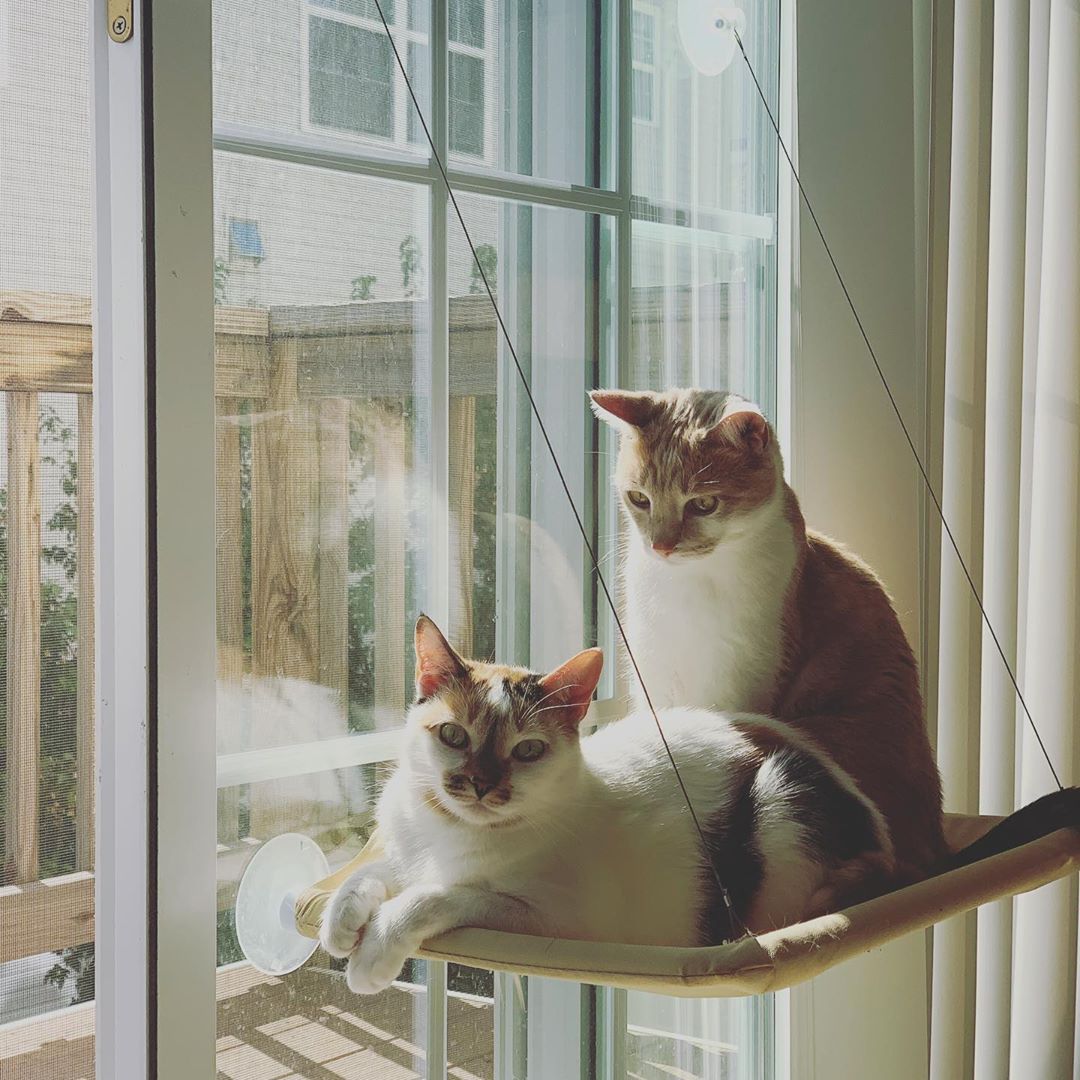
[742, 427]
[436, 662]
[572, 684]
[624, 410]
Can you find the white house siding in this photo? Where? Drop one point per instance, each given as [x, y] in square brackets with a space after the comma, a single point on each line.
[44, 148]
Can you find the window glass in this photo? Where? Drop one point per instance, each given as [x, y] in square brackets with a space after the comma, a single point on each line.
[377, 455]
[704, 202]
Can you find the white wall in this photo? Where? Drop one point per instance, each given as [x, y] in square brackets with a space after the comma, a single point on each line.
[857, 131]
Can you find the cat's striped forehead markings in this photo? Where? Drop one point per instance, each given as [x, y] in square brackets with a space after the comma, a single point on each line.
[494, 694]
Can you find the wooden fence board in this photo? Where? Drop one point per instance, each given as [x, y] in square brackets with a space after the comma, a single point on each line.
[333, 550]
[387, 439]
[23, 637]
[46, 916]
[462, 512]
[84, 709]
[285, 527]
[45, 356]
[228, 530]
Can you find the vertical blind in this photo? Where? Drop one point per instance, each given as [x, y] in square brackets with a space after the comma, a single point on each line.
[1004, 994]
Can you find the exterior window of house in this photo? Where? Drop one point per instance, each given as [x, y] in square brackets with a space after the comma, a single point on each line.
[351, 68]
[355, 88]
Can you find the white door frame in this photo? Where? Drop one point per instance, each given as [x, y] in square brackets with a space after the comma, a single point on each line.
[183, 626]
[121, 553]
[155, 663]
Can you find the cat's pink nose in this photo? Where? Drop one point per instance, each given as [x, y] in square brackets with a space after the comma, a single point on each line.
[663, 547]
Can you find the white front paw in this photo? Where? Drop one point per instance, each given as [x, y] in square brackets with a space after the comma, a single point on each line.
[348, 912]
[378, 961]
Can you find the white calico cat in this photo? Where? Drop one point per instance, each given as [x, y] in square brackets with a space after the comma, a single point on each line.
[499, 817]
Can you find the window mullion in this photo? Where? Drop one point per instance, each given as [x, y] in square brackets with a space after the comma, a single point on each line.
[439, 558]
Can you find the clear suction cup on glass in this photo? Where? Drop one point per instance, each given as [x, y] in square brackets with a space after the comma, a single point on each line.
[707, 30]
[265, 902]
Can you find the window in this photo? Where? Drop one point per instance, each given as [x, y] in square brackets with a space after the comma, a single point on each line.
[377, 456]
[244, 239]
[352, 77]
[354, 86]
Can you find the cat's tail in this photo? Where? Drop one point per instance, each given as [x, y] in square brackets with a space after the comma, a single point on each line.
[1058, 810]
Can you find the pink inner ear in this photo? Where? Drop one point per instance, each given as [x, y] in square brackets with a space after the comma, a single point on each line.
[573, 683]
[436, 662]
[431, 682]
[635, 408]
[743, 429]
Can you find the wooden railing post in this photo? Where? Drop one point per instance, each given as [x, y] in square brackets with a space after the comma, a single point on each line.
[389, 448]
[23, 636]
[230, 591]
[462, 511]
[285, 507]
[85, 768]
[333, 551]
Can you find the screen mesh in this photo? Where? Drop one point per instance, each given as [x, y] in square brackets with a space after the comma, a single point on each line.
[46, 546]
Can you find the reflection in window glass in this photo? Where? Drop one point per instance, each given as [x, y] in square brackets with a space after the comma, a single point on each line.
[323, 470]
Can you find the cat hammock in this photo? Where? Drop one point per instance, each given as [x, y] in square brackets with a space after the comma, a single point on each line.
[278, 909]
[278, 916]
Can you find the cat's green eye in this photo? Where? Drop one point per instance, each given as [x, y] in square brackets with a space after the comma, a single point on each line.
[638, 498]
[453, 735]
[704, 504]
[529, 750]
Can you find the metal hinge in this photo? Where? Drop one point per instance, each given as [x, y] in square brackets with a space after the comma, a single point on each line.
[119, 16]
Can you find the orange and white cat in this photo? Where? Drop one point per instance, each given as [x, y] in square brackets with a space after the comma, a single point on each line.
[733, 604]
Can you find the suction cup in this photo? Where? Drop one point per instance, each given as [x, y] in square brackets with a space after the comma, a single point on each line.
[705, 27]
[265, 902]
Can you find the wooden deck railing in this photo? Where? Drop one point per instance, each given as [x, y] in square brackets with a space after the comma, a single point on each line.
[294, 380]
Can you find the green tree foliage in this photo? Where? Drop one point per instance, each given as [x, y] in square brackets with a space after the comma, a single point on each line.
[363, 287]
[410, 254]
[59, 668]
[487, 259]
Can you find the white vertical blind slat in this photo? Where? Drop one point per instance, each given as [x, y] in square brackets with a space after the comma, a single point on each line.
[1001, 508]
[959, 632]
[1044, 982]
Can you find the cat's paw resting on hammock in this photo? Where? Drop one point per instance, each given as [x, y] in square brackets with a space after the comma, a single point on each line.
[349, 911]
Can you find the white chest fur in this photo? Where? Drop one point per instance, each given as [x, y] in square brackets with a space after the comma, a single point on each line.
[707, 633]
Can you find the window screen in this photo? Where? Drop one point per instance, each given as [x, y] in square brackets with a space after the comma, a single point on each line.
[46, 547]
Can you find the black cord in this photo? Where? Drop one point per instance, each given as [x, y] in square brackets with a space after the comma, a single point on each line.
[896, 409]
[735, 920]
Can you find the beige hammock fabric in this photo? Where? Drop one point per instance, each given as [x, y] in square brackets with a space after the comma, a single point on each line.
[752, 965]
